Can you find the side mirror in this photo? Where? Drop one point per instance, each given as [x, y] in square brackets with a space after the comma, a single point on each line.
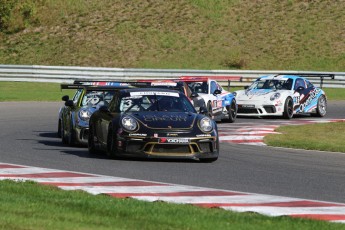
[194, 94]
[104, 109]
[217, 91]
[65, 98]
[69, 103]
[203, 110]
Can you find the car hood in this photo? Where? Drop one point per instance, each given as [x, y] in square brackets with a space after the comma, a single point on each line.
[166, 120]
[254, 93]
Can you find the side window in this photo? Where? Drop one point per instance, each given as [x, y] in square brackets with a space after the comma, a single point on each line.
[309, 84]
[115, 103]
[219, 87]
[299, 82]
[213, 86]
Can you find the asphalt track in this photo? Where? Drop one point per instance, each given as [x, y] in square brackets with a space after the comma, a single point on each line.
[28, 137]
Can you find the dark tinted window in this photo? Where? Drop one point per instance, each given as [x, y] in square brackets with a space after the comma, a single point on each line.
[154, 101]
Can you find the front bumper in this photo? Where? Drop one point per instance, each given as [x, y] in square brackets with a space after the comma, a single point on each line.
[168, 147]
[267, 109]
[82, 135]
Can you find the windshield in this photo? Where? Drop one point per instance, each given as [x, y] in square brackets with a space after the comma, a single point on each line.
[97, 98]
[198, 87]
[281, 84]
[155, 101]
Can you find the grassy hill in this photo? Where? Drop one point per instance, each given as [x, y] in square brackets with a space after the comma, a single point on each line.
[192, 34]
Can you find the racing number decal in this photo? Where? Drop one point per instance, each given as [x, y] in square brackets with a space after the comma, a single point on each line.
[297, 99]
[217, 103]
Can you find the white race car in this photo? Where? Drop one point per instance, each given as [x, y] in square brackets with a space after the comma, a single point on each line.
[207, 93]
[281, 95]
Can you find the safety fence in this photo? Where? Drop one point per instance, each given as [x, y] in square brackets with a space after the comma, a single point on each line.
[68, 74]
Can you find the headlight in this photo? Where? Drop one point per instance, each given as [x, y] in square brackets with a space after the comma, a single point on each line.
[206, 124]
[275, 96]
[129, 123]
[84, 114]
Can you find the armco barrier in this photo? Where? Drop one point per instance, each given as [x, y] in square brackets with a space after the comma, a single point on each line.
[67, 74]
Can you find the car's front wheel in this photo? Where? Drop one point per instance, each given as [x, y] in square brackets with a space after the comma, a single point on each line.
[63, 135]
[91, 141]
[111, 150]
[209, 110]
[288, 108]
[59, 129]
[71, 136]
[321, 108]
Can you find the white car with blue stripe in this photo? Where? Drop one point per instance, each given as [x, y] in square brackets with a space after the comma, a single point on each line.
[281, 95]
[208, 93]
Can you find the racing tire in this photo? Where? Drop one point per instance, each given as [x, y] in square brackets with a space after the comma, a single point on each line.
[71, 136]
[209, 110]
[111, 152]
[321, 108]
[288, 108]
[210, 160]
[91, 141]
[232, 111]
[63, 136]
[59, 129]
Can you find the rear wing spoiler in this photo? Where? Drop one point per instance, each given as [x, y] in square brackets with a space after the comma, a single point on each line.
[103, 85]
[111, 83]
[91, 87]
[322, 76]
[217, 78]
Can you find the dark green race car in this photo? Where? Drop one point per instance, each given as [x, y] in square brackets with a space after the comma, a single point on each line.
[153, 123]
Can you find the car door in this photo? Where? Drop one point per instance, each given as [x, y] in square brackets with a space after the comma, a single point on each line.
[304, 95]
[217, 102]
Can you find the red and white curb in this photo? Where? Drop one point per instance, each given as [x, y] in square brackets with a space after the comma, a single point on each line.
[253, 134]
[155, 191]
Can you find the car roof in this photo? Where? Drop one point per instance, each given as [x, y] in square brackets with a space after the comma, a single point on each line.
[294, 77]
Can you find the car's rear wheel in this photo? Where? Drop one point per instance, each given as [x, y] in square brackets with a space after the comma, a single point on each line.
[232, 111]
[321, 108]
[91, 141]
[288, 108]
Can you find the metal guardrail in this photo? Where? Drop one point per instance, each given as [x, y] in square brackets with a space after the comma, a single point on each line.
[67, 74]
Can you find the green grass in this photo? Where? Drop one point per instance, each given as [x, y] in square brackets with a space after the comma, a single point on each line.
[192, 34]
[324, 137]
[32, 91]
[335, 93]
[27, 205]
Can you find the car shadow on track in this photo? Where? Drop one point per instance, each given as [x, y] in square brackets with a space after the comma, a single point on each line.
[82, 151]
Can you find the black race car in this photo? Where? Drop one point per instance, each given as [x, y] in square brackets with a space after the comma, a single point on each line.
[153, 123]
[73, 123]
